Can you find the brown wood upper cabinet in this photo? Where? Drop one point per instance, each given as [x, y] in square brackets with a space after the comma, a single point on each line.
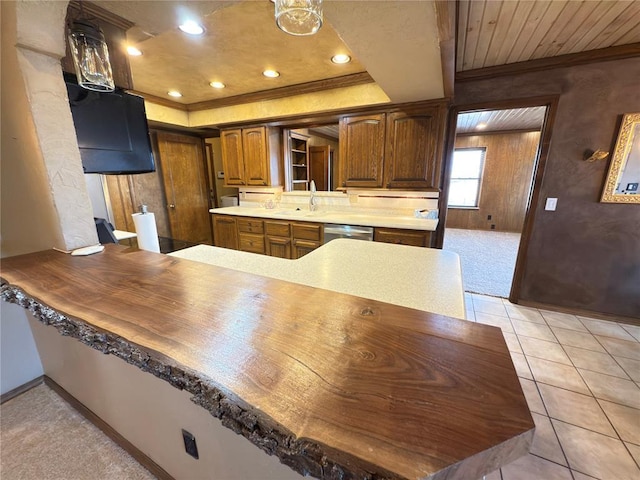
[411, 156]
[396, 149]
[362, 150]
[250, 156]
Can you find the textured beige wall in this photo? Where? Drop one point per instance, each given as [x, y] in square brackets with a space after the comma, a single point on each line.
[44, 196]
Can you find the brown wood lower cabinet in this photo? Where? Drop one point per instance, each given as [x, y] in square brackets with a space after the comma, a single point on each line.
[416, 238]
[225, 231]
[277, 238]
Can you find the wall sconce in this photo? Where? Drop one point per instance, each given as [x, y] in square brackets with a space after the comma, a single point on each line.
[592, 156]
[299, 17]
[90, 56]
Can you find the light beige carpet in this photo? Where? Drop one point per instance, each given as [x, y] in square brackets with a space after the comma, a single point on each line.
[43, 438]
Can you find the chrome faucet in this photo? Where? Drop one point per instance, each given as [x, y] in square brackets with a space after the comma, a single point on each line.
[313, 206]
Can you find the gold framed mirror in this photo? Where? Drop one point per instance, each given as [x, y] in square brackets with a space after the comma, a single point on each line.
[623, 180]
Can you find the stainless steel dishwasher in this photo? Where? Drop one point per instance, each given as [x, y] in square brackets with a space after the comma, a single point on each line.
[332, 231]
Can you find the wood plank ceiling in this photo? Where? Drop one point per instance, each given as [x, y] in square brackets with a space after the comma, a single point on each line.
[501, 120]
[499, 32]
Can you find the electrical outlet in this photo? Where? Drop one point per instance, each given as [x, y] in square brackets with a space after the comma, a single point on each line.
[220, 175]
[488, 217]
[493, 226]
[190, 444]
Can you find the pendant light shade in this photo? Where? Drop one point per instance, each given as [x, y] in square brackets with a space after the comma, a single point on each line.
[90, 56]
[299, 17]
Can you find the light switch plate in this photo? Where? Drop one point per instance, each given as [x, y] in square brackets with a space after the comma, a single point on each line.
[220, 175]
[551, 204]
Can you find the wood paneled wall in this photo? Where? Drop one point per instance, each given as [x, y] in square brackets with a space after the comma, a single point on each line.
[584, 256]
[506, 181]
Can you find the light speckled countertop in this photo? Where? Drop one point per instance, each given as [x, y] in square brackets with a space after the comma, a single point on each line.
[423, 278]
[336, 216]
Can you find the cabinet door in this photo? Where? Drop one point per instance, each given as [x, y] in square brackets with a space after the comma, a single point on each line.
[411, 150]
[302, 247]
[362, 151]
[278, 246]
[232, 157]
[256, 158]
[225, 234]
[183, 169]
[416, 238]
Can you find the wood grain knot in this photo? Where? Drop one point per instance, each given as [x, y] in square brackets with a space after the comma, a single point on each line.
[366, 311]
[367, 355]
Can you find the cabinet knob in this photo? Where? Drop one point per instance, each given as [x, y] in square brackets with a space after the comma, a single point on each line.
[171, 205]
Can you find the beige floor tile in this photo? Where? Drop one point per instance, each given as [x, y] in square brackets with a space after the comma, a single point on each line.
[581, 476]
[626, 420]
[607, 329]
[635, 451]
[531, 467]
[632, 367]
[577, 409]
[614, 389]
[620, 348]
[577, 339]
[594, 454]
[534, 401]
[492, 476]
[535, 330]
[543, 349]
[493, 308]
[563, 320]
[545, 443]
[520, 363]
[496, 320]
[634, 330]
[524, 313]
[477, 297]
[512, 342]
[558, 375]
[595, 361]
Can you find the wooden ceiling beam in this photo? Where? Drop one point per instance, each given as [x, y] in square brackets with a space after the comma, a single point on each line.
[569, 60]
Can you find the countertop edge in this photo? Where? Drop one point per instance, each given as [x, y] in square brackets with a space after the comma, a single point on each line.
[346, 218]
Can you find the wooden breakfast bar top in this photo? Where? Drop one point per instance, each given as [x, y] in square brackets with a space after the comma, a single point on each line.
[335, 386]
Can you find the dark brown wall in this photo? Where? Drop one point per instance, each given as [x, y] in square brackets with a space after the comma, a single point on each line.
[585, 255]
[508, 166]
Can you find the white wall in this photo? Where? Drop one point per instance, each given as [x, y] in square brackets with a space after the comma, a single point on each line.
[19, 359]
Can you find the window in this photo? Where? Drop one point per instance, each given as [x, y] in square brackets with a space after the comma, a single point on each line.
[466, 177]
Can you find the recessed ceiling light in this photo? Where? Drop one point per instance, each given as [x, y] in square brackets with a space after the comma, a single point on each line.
[341, 58]
[133, 51]
[174, 93]
[481, 126]
[217, 84]
[192, 28]
[271, 73]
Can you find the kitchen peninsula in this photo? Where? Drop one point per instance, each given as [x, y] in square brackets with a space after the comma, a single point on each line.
[333, 385]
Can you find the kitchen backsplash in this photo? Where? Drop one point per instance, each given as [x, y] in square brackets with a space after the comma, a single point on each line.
[375, 202]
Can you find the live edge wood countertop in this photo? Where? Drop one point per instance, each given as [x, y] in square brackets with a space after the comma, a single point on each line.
[336, 386]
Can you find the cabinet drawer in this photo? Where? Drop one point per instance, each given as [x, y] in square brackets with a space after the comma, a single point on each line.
[251, 242]
[416, 238]
[250, 225]
[277, 229]
[307, 231]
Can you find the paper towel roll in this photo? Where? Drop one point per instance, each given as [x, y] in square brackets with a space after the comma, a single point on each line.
[147, 232]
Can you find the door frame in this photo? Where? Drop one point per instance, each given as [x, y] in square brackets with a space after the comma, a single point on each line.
[551, 102]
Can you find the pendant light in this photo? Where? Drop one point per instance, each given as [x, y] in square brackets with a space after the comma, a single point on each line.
[90, 55]
[299, 17]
